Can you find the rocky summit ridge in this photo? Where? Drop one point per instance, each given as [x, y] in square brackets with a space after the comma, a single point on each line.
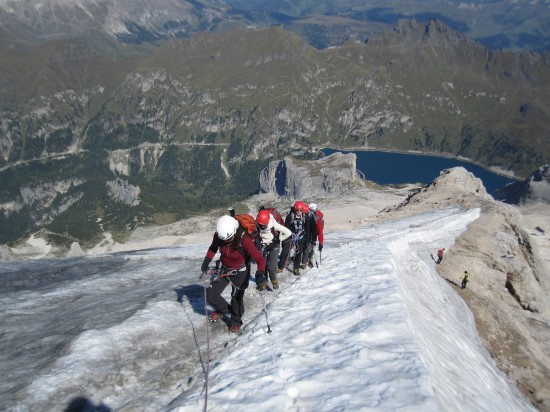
[510, 281]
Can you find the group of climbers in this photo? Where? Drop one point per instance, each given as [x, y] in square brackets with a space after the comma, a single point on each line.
[266, 240]
[306, 223]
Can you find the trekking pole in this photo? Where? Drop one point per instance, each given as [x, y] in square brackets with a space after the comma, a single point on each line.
[315, 256]
[265, 312]
[207, 347]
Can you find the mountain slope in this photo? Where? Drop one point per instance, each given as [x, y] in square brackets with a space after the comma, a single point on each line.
[510, 281]
[193, 124]
[375, 308]
[534, 189]
[373, 327]
[112, 26]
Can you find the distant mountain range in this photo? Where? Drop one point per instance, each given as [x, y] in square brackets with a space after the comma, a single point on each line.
[103, 24]
[94, 141]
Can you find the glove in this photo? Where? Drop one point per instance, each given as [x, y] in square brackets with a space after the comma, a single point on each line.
[205, 263]
[320, 247]
[261, 281]
[260, 276]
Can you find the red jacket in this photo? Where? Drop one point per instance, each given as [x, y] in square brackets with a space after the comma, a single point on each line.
[319, 218]
[232, 257]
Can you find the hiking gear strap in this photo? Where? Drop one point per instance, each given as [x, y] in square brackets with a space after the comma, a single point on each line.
[225, 271]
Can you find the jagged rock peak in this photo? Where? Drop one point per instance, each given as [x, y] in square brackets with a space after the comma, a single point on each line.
[408, 26]
[306, 178]
[454, 186]
[433, 30]
[460, 179]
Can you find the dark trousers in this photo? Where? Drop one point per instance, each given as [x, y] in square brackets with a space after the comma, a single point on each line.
[300, 253]
[305, 254]
[285, 252]
[272, 259]
[311, 254]
[239, 283]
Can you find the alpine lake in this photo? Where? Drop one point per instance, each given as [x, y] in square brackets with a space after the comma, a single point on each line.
[395, 168]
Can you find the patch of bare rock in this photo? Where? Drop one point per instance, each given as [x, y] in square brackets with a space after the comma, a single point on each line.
[509, 288]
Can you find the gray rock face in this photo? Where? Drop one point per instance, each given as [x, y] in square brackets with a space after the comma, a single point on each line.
[507, 248]
[75, 250]
[5, 254]
[122, 191]
[510, 283]
[534, 189]
[300, 179]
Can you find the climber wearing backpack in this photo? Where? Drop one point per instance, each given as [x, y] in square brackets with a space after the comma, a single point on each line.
[236, 249]
[285, 247]
[310, 232]
[271, 234]
[275, 213]
[296, 222]
[318, 222]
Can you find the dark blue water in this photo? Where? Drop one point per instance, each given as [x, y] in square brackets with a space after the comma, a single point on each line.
[387, 168]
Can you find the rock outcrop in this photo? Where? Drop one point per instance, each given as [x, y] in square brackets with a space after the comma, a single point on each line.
[300, 179]
[534, 189]
[510, 283]
[122, 191]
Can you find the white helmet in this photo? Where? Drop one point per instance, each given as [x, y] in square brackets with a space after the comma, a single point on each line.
[313, 207]
[226, 227]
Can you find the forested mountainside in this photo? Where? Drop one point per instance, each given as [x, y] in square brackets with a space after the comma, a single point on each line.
[90, 143]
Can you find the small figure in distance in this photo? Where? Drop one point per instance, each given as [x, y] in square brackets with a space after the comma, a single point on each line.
[440, 256]
[465, 279]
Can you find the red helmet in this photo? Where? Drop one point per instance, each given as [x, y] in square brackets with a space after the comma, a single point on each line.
[306, 208]
[299, 206]
[263, 217]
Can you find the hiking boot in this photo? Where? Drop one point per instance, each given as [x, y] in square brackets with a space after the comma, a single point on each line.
[275, 284]
[310, 264]
[236, 329]
[303, 265]
[262, 286]
[296, 272]
[215, 316]
[278, 270]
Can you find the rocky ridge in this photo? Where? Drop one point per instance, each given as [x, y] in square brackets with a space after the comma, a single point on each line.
[510, 282]
[534, 189]
[334, 174]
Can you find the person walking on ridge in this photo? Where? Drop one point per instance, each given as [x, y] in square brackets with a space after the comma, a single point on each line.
[465, 279]
[271, 234]
[236, 249]
[296, 222]
[440, 256]
[317, 234]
